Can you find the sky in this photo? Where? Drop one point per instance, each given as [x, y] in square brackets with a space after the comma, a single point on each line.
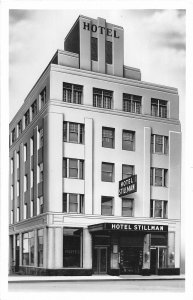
[154, 41]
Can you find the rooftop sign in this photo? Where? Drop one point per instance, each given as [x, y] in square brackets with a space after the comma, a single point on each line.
[128, 186]
[100, 29]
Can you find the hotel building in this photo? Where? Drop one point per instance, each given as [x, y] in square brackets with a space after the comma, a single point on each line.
[95, 165]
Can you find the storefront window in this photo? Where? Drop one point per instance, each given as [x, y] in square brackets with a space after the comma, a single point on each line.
[40, 244]
[28, 248]
[72, 248]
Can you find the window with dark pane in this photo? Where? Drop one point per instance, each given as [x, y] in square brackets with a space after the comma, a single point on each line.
[127, 170]
[94, 49]
[109, 52]
[107, 206]
[108, 135]
[128, 140]
[127, 207]
[73, 168]
[107, 172]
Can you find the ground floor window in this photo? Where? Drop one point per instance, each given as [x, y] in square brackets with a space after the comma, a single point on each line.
[40, 245]
[72, 247]
[28, 248]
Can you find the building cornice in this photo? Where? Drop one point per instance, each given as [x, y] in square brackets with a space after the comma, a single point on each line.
[58, 102]
[114, 79]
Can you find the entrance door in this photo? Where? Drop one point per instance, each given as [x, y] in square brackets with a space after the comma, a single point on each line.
[100, 260]
[153, 261]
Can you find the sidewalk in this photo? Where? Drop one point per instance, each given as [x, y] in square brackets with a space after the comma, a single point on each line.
[21, 278]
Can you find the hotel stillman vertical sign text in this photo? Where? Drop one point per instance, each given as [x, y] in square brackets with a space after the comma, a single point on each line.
[128, 186]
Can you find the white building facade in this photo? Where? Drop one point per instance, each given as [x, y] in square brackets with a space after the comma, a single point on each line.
[88, 123]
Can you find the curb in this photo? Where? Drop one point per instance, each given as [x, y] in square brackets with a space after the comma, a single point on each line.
[30, 280]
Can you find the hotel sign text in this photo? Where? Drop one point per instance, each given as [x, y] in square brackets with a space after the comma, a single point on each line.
[128, 186]
[100, 29]
[136, 227]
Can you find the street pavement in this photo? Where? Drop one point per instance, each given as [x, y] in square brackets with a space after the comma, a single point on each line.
[98, 283]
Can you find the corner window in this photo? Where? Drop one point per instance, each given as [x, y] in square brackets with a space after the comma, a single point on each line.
[127, 207]
[159, 177]
[40, 173]
[159, 144]
[107, 172]
[25, 183]
[25, 211]
[31, 146]
[159, 108]
[128, 140]
[40, 247]
[102, 98]
[18, 214]
[73, 132]
[72, 93]
[107, 206]
[73, 168]
[18, 188]
[127, 170]
[18, 160]
[132, 103]
[11, 165]
[32, 208]
[28, 242]
[108, 137]
[73, 203]
[40, 138]
[158, 209]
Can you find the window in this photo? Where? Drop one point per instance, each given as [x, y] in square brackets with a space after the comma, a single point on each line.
[32, 179]
[18, 159]
[32, 146]
[18, 188]
[31, 208]
[106, 206]
[25, 183]
[73, 203]
[127, 171]
[27, 118]
[42, 97]
[11, 192]
[128, 142]
[11, 166]
[127, 207]
[73, 168]
[28, 243]
[72, 93]
[40, 173]
[25, 211]
[25, 152]
[73, 132]
[34, 109]
[18, 214]
[159, 144]
[159, 108]
[40, 247]
[102, 98]
[11, 217]
[72, 247]
[94, 49]
[40, 138]
[107, 172]
[40, 205]
[13, 136]
[19, 128]
[108, 137]
[109, 52]
[159, 177]
[132, 103]
[158, 209]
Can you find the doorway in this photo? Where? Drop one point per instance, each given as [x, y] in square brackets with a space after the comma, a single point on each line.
[100, 260]
[158, 259]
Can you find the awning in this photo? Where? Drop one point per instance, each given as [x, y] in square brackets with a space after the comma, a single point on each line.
[146, 228]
